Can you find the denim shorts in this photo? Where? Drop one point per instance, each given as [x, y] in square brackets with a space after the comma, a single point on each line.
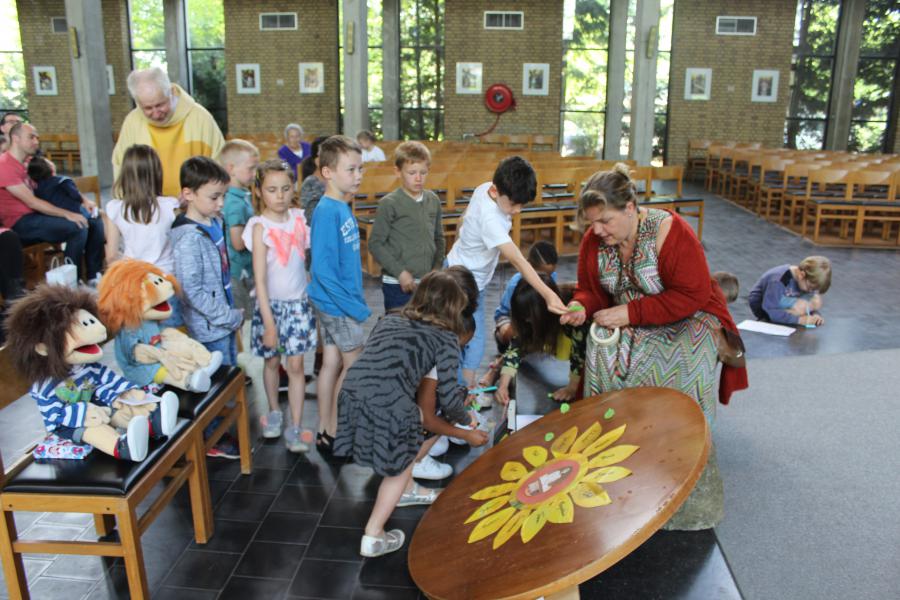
[344, 332]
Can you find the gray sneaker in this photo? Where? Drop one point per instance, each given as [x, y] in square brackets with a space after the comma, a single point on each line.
[292, 440]
[272, 424]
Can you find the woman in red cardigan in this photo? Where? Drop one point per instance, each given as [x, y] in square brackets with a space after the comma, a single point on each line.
[643, 279]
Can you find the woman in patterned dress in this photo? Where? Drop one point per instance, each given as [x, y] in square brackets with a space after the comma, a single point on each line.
[643, 279]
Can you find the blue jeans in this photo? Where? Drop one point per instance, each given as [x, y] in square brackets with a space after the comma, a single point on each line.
[227, 346]
[394, 296]
[37, 227]
[471, 355]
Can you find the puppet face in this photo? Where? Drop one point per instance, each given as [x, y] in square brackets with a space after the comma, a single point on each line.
[156, 307]
[84, 338]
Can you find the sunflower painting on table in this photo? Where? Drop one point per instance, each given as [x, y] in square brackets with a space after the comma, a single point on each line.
[553, 482]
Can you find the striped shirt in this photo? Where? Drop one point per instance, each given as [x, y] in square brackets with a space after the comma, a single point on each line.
[63, 402]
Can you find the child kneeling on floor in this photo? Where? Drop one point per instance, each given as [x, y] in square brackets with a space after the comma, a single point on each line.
[792, 294]
[379, 422]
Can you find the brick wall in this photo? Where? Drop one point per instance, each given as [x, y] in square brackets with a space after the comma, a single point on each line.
[278, 54]
[729, 114]
[40, 46]
[502, 54]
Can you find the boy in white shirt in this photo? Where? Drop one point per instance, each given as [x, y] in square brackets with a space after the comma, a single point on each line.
[484, 238]
[370, 152]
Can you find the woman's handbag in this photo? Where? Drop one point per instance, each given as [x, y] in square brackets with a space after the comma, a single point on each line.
[62, 274]
[601, 360]
[730, 347]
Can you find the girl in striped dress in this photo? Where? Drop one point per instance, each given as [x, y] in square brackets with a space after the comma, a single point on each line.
[379, 422]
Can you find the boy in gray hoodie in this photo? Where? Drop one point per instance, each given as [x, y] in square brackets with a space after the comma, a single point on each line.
[201, 259]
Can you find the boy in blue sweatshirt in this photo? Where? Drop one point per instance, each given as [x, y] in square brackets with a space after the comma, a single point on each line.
[336, 289]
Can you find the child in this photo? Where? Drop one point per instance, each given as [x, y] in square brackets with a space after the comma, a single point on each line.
[729, 285]
[58, 190]
[376, 401]
[283, 323]
[201, 261]
[543, 257]
[336, 288]
[407, 236]
[791, 294]
[536, 330]
[140, 218]
[240, 159]
[312, 185]
[484, 238]
[370, 152]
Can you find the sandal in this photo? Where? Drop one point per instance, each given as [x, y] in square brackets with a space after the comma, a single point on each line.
[390, 541]
[324, 442]
[418, 495]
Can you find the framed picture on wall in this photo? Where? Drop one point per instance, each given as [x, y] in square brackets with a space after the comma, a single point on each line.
[765, 85]
[247, 78]
[45, 80]
[468, 78]
[697, 84]
[535, 79]
[312, 78]
[110, 81]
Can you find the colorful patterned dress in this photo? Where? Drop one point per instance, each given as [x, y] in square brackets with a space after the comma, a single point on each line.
[680, 355]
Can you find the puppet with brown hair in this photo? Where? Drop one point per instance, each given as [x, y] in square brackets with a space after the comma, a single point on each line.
[133, 301]
[54, 341]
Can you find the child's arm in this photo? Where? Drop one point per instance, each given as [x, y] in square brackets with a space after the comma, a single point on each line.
[426, 399]
[270, 332]
[381, 233]
[111, 247]
[511, 252]
[328, 251]
[440, 243]
[189, 272]
[235, 234]
[771, 303]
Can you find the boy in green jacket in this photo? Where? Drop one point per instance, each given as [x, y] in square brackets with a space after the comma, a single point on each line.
[407, 237]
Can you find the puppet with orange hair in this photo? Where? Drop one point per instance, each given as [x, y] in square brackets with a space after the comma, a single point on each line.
[133, 301]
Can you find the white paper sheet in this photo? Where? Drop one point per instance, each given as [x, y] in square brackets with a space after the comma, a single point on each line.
[766, 328]
[525, 420]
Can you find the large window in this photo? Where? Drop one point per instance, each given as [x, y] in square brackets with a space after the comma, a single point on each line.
[148, 33]
[585, 60]
[12, 66]
[206, 56]
[879, 53]
[815, 38]
[663, 65]
[422, 69]
[375, 67]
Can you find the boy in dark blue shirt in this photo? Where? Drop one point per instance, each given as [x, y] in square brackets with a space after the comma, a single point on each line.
[56, 189]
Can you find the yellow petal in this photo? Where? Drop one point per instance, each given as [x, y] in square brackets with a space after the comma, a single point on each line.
[588, 494]
[511, 527]
[492, 491]
[491, 506]
[491, 524]
[606, 440]
[586, 438]
[535, 455]
[513, 471]
[607, 474]
[533, 524]
[562, 444]
[612, 456]
[560, 509]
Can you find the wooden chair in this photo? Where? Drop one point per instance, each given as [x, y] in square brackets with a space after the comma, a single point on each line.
[820, 184]
[671, 173]
[793, 183]
[546, 143]
[643, 181]
[697, 157]
[105, 487]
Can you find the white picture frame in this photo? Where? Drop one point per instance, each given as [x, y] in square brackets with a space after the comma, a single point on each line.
[247, 78]
[765, 85]
[110, 81]
[468, 78]
[535, 79]
[697, 83]
[312, 77]
[45, 80]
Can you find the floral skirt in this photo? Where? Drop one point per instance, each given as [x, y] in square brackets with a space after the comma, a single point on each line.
[295, 324]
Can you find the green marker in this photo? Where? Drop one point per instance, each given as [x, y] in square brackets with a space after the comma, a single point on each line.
[564, 408]
[609, 414]
[576, 308]
[548, 437]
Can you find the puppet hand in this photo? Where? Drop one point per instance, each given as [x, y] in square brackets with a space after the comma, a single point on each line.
[96, 416]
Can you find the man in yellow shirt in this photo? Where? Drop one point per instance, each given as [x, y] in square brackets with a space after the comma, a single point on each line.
[170, 121]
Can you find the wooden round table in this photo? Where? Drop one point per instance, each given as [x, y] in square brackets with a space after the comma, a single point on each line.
[584, 492]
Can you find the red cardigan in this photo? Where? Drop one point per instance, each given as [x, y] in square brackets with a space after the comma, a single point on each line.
[688, 288]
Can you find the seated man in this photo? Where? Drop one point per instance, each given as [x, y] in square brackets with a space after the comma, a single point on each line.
[36, 220]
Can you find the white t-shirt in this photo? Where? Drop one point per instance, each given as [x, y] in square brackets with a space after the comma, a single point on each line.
[376, 154]
[148, 242]
[432, 374]
[286, 247]
[484, 228]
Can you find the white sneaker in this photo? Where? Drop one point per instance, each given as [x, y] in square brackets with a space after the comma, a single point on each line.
[272, 424]
[390, 541]
[440, 447]
[460, 441]
[428, 468]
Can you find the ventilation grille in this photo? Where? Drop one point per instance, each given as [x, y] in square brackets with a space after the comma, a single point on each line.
[58, 24]
[496, 19]
[735, 25]
[275, 21]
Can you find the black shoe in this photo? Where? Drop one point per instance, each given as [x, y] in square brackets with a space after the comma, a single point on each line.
[324, 443]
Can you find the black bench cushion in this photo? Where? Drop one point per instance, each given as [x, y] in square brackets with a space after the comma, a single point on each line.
[190, 404]
[98, 474]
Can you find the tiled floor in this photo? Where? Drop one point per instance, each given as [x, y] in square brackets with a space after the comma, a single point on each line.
[292, 528]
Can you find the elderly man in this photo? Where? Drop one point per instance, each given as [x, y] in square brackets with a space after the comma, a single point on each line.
[36, 220]
[170, 121]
